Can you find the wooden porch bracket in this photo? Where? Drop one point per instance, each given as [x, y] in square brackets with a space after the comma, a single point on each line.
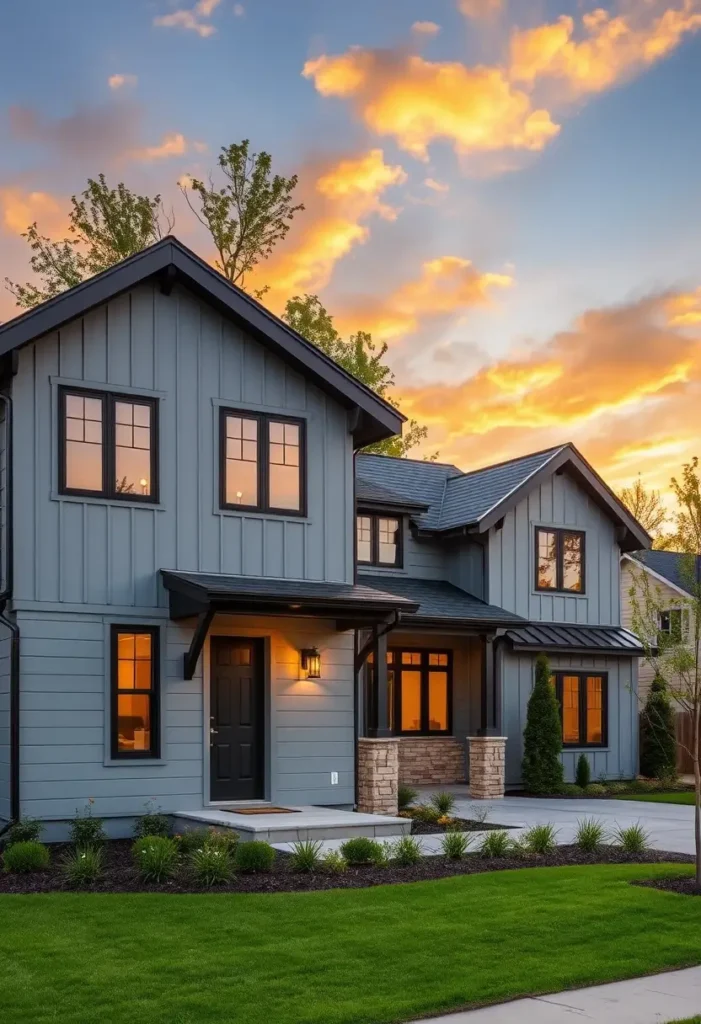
[204, 621]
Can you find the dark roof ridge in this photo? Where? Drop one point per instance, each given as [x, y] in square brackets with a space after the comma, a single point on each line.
[517, 458]
[404, 458]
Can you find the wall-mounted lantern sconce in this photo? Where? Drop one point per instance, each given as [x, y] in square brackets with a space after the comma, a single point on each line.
[311, 662]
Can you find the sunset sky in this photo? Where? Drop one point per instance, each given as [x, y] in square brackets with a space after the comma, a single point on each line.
[507, 192]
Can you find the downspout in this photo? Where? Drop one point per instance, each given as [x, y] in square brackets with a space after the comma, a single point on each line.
[356, 674]
[5, 597]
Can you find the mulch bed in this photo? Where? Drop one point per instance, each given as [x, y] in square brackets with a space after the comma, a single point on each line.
[685, 886]
[120, 875]
[432, 828]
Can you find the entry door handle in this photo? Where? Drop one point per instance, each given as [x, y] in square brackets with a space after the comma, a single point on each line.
[213, 732]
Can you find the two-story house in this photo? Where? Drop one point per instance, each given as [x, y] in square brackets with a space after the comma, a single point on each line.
[193, 616]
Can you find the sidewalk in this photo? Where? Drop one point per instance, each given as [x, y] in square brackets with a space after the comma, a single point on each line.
[652, 1000]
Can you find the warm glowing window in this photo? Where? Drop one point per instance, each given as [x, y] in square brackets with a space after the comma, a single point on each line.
[379, 540]
[107, 446]
[583, 700]
[559, 557]
[422, 695]
[411, 700]
[261, 463]
[134, 691]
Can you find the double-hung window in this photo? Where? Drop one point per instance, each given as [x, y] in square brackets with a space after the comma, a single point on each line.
[674, 625]
[379, 540]
[583, 700]
[108, 445]
[262, 463]
[559, 560]
[134, 682]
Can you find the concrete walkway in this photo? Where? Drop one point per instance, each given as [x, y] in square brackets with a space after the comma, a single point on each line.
[653, 1000]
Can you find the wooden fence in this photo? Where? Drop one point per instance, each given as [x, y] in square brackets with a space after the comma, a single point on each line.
[685, 738]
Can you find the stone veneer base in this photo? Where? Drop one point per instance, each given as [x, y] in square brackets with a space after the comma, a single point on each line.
[378, 775]
[487, 763]
[431, 760]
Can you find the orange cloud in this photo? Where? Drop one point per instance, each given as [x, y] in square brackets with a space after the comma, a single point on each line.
[479, 8]
[445, 285]
[425, 28]
[19, 209]
[436, 186]
[192, 19]
[120, 81]
[613, 48]
[684, 309]
[172, 144]
[339, 200]
[418, 101]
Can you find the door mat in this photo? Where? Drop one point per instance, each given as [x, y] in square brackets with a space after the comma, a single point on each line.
[262, 810]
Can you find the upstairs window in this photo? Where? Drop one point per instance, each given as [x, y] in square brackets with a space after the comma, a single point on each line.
[559, 558]
[379, 540]
[262, 463]
[674, 625]
[107, 446]
[583, 701]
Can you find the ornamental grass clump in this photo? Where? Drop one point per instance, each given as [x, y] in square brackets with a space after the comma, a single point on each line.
[86, 830]
[334, 862]
[406, 796]
[406, 851]
[191, 840]
[26, 830]
[496, 844]
[306, 856]
[211, 865]
[454, 845]
[156, 858]
[633, 839]
[225, 840]
[444, 803]
[25, 857]
[540, 839]
[590, 835]
[425, 812]
[83, 867]
[596, 789]
[542, 738]
[253, 857]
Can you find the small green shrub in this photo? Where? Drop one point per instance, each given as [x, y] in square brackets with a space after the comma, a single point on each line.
[425, 812]
[595, 789]
[444, 803]
[583, 774]
[541, 768]
[540, 839]
[306, 856]
[191, 840]
[82, 867]
[22, 858]
[406, 851]
[226, 840]
[254, 856]
[633, 839]
[642, 786]
[570, 789]
[617, 787]
[27, 830]
[156, 858]
[590, 835]
[211, 865]
[496, 844]
[152, 823]
[455, 845]
[406, 796]
[518, 848]
[334, 862]
[85, 830]
[362, 850]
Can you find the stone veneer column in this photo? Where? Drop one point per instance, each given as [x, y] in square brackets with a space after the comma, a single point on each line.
[487, 763]
[378, 775]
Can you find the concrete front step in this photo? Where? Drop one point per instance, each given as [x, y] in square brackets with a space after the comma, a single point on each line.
[301, 824]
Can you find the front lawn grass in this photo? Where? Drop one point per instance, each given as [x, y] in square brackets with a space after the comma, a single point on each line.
[365, 956]
[660, 798]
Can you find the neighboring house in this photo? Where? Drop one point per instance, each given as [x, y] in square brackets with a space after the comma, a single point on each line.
[186, 622]
[671, 590]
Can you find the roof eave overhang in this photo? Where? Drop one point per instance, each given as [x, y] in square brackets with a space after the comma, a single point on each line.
[466, 624]
[374, 505]
[620, 652]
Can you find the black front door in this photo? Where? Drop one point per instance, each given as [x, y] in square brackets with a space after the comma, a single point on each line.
[237, 719]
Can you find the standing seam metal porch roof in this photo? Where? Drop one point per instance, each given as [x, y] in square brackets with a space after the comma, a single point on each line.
[569, 638]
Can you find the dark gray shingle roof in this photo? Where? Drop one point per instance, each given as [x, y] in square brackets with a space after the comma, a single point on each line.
[547, 636]
[671, 565]
[438, 599]
[373, 493]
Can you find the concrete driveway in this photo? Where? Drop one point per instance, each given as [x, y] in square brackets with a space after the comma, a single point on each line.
[670, 826]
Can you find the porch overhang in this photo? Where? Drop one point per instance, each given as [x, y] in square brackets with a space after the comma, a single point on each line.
[561, 638]
[203, 595]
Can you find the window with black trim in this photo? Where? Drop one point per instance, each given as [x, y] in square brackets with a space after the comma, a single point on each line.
[559, 560]
[420, 692]
[583, 700]
[135, 692]
[379, 540]
[674, 625]
[108, 445]
[262, 464]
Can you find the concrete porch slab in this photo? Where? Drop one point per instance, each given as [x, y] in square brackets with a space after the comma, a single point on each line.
[304, 823]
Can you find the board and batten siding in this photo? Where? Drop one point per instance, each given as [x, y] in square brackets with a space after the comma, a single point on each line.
[65, 756]
[619, 760]
[4, 726]
[559, 502]
[79, 551]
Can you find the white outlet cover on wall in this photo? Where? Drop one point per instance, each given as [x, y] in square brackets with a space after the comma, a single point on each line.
[334, 778]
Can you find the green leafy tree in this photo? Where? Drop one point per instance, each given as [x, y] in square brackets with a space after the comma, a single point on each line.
[357, 354]
[675, 655]
[541, 768]
[106, 225]
[658, 744]
[248, 215]
[649, 509]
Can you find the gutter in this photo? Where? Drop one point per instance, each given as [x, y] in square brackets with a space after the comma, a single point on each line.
[5, 597]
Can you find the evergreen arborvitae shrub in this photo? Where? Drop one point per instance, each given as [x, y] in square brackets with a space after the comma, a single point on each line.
[541, 768]
[658, 743]
[583, 774]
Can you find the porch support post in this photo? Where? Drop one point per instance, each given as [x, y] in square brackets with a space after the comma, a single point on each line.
[381, 682]
[204, 621]
[488, 722]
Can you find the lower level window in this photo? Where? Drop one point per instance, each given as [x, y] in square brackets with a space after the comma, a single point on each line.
[583, 700]
[134, 683]
[420, 688]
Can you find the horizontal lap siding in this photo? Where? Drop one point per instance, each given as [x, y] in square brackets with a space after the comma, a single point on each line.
[619, 760]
